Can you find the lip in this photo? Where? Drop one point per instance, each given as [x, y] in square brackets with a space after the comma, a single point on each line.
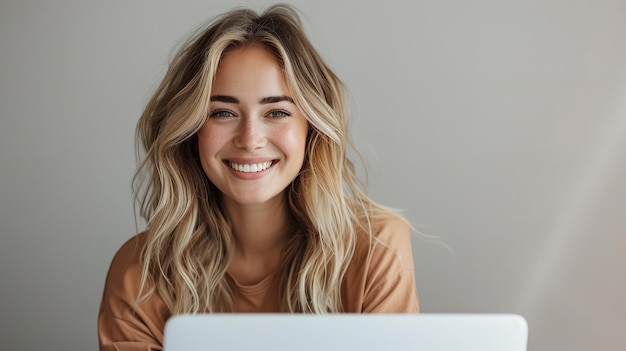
[249, 175]
[249, 160]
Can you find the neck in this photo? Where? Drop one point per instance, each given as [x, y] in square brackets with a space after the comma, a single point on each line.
[260, 232]
[259, 229]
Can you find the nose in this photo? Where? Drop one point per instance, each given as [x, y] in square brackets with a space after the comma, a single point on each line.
[250, 135]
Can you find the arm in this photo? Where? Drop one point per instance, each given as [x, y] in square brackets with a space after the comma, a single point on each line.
[385, 282]
[123, 325]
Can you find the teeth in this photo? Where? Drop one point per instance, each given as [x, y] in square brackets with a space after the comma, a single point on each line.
[250, 167]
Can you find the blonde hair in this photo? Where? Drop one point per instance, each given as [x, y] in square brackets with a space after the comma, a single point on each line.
[189, 240]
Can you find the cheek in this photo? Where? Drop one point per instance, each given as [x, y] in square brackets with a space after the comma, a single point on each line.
[209, 142]
[294, 140]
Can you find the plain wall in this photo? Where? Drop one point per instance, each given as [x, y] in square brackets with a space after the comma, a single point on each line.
[498, 126]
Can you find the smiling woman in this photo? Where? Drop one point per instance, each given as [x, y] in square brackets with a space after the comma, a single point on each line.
[251, 202]
[252, 145]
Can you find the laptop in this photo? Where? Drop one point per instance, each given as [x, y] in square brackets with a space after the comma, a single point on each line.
[341, 332]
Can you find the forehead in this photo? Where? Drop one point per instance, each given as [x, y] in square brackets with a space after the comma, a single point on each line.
[249, 68]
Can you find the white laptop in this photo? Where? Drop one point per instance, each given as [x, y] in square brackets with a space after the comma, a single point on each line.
[341, 332]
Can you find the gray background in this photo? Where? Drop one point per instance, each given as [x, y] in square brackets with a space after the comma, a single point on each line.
[499, 126]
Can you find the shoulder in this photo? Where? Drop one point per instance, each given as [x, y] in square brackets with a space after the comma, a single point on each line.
[391, 228]
[124, 277]
[380, 275]
[389, 244]
[130, 252]
[127, 261]
[123, 321]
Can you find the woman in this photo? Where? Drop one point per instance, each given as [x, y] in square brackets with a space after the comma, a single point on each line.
[251, 202]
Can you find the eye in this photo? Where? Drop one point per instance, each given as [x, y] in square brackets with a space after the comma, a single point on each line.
[278, 114]
[221, 114]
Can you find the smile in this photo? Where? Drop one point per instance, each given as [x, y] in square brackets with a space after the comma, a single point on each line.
[250, 167]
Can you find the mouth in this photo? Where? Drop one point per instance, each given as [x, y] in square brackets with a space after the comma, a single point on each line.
[250, 167]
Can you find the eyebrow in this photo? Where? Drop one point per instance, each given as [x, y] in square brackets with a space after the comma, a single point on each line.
[265, 100]
[224, 98]
[273, 99]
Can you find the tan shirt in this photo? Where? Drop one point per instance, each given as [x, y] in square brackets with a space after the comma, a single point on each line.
[384, 284]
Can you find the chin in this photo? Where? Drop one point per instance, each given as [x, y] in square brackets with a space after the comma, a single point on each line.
[252, 200]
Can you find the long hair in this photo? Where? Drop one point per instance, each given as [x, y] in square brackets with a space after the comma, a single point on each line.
[189, 240]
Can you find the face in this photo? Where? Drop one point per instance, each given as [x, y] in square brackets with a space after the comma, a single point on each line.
[253, 142]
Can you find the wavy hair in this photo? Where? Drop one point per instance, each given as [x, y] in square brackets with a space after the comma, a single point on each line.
[189, 240]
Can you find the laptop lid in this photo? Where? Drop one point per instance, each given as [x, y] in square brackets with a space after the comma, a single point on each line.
[340, 332]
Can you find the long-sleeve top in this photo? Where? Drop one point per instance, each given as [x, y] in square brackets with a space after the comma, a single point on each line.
[384, 282]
